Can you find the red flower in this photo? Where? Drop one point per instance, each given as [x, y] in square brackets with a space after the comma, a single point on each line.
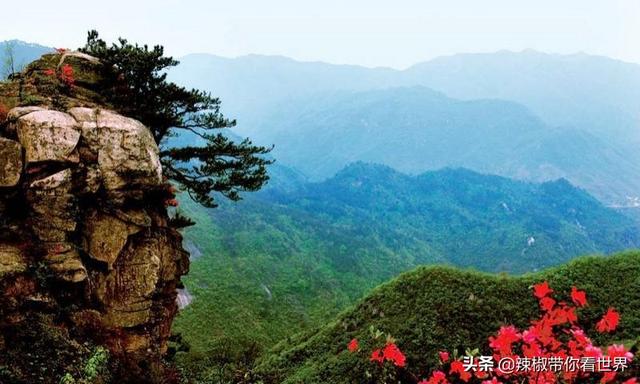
[392, 353]
[458, 367]
[49, 72]
[579, 297]
[504, 339]
[437, 377]
[353, 345]
[618, 350]
[609, 321]
[541, 290]
[377, 356]
[67, 75]
[633, 380]
[547, 304]
[171, 203]
[444, 356]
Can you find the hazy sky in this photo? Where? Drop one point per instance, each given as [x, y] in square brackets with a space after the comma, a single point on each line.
[367, 32]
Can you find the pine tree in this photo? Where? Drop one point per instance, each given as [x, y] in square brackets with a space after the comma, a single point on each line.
[134, 82]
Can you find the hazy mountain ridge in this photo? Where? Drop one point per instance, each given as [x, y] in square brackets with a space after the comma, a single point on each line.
[584, 103]
[416, 129]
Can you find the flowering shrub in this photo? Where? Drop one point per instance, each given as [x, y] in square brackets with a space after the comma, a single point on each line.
[171, 200]
[65, 75]
[554, 349]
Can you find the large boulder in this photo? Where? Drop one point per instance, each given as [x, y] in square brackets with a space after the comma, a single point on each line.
[127, 153]
[106, 237]
[48, 135]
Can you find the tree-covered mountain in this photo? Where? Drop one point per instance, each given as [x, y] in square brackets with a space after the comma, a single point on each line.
[291, 256]
[432, 309]
[569, 116]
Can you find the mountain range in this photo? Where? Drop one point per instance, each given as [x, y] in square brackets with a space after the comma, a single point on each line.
[294, 254]
[528, 115]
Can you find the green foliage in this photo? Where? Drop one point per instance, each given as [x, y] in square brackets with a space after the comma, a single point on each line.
[440, 308]
[32, 359]
[134, 81]
[295, 254]
[96, 364]
[67, 379]
[94, 369]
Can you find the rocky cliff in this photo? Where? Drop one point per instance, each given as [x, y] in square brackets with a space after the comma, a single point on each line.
[88, 256]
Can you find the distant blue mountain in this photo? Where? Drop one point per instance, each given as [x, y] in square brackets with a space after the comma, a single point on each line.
[24, 53]
[572, 116]
[417, 129]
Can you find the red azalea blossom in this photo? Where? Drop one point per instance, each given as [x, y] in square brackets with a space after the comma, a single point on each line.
[579, 297]
[353, 345]
[609, 321]
[67, 75]
[541, 290]
[556, 334]
[457, 367]
[377, 356]
[392, 353]
[503, 341]
[618, 350]
[547, 304]
[49, 72]
[437, 377]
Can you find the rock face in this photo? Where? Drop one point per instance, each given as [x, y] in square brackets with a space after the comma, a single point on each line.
[84, 231]
[10, 162]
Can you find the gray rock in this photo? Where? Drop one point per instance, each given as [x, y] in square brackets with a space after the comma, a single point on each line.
[54, 181]
[106, 236]
[127, 152]
[67, 266]
[48, 136]
[10, 162]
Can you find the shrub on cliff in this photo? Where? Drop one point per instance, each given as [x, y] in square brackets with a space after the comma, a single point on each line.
[134, 81]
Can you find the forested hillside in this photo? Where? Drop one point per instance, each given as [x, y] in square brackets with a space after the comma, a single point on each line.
[432, 309]
[295, 254]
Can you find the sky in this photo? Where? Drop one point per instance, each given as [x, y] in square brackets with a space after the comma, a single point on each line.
[372, 33]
